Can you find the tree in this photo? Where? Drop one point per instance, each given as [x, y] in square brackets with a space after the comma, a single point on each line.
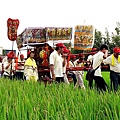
[68, 45]
[98, 39]
[107, 37]
[108, 40]
[116, 36]
[72, 49]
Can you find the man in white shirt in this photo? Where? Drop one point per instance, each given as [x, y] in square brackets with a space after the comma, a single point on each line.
[20, 68]
[89, 64]
[56, 63]
[73, 73]
[114, 62]
[9, 68]
[64, 56]
[97, 60]
[5, 59]
[79, 74]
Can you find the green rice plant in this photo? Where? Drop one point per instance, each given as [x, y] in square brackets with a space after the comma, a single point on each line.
[22, 100]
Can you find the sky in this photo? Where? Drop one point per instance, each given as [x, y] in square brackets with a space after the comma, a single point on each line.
[57, 13]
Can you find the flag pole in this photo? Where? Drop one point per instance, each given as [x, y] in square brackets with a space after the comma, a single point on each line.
[12, 59]
[83, 49]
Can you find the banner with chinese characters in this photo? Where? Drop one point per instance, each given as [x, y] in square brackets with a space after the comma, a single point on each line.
[12, 26]
[31, 35]
[84, 37]
[59, 33]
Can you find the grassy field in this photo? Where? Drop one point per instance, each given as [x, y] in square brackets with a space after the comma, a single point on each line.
[32, 101]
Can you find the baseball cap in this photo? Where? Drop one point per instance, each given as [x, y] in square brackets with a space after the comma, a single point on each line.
[21, 55]
[65, 50]
[116, 50]
[60, 45]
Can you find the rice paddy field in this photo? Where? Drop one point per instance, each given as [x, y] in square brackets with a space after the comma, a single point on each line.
[22, 100]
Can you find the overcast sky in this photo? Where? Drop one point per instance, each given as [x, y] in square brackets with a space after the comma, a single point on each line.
[57, 13]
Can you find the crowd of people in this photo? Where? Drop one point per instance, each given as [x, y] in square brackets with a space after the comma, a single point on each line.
[113, 61]
[19, 68]
[58, 62]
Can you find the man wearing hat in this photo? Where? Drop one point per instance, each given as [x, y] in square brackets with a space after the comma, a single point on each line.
[114, 62]
[9, 67]
[73, 73]
[56, 63]
[64, 56]
[96, 64]
[30, 67]
[79, 74]
[5, 59]
[20, 67]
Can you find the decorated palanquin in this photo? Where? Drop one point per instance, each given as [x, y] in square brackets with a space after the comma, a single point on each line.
[38, 37]
[12, 25]
[42, 35]
[42, 52]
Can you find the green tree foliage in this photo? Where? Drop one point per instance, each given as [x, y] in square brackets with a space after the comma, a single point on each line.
[98, 39]
[108, 40]
[107, 37]
[72, 49]
[116, 36]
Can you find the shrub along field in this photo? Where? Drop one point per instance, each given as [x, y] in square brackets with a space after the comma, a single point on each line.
[33, 101]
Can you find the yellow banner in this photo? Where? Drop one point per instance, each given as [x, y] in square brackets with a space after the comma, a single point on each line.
[84, 37]
[58, 33]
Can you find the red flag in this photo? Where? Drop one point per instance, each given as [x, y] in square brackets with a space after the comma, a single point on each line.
[12, 25]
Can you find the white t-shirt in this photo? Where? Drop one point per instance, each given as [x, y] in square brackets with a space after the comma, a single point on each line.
[7, 71]
[57, 61]
[116, 67]
[90, 57]
[97, 60]
[71, 64]
[0, 67]
[4, 59]
[78, 65]
[64, 68]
